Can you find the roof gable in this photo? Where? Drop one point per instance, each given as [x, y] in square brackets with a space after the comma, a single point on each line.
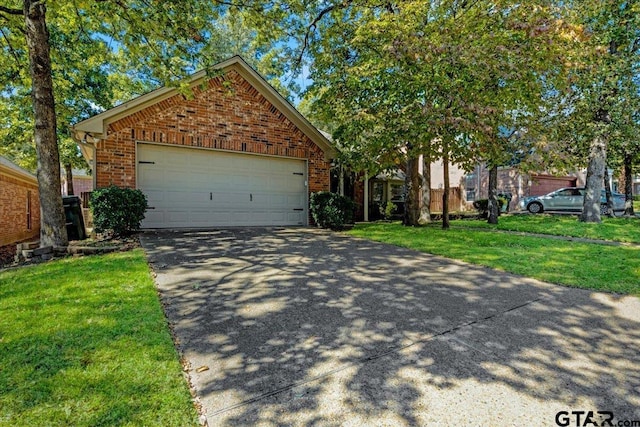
[96, 127]
[12, 169]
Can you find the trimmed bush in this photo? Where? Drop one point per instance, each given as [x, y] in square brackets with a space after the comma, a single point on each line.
[117, 211]
[331, 210]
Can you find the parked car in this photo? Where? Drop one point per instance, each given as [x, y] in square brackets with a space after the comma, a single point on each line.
[568, 199]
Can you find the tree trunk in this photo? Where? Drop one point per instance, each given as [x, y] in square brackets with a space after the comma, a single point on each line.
[607, 192]
[445, 195]
[425, 206]
[53, 231]
[493, 207]
[68, 170]
[595, 178]
[412, 205]
[628, 185]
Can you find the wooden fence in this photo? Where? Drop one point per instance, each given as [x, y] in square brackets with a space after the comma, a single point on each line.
[455, 199]
[84, 196]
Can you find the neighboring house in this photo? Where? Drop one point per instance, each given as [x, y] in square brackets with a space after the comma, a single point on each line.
[19, 208]
[518, 185]
[82, 182]
[390, 187]
[233, 153]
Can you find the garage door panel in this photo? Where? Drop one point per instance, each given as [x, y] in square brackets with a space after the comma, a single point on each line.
[279, 201]
[201, 218]
[295, 200]
[177, 216]
[204, 188]
[175, 198]
[149, 176]
[155, 217]
[293, 217]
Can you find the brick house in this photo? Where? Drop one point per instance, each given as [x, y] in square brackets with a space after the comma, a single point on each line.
[234, 152]
[19, 208]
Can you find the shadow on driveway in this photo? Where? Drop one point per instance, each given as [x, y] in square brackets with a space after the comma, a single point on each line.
[306, 327]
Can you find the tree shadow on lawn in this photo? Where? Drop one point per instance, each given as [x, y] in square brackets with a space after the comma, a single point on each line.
[301, 326]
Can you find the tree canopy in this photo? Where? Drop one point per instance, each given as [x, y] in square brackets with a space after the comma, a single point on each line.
[442, 79]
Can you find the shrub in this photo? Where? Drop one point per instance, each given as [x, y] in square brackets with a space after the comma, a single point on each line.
[636, 197]
[331, 210]
[389, 209]
[482, 205]
[118, 211]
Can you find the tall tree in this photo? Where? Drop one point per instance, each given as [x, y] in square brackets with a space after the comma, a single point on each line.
[53, 231]
[605, 87]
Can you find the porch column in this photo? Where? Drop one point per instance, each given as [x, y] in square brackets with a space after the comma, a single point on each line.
[366, 197]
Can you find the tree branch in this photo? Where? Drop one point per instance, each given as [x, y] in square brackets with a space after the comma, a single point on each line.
[11, 11]
[11, 49]
[314, 23]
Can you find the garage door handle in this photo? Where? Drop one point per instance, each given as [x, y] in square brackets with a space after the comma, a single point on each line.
[210, 196]
[251, 197]
[299, 209]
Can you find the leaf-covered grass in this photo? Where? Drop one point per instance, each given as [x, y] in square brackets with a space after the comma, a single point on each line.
[615, 229]
[583, 265]
[84, 342]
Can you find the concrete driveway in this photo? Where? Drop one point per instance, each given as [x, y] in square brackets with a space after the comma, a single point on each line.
[307, 327]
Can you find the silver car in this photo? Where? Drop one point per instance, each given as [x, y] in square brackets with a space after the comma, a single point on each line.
[568, 199]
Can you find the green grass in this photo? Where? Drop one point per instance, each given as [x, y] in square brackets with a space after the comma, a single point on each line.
[615, 229]
[584, 265]
[84, 342]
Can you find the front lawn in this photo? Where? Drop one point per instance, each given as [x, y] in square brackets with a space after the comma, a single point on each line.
[84, 342]
[616, 229]
[584, 265]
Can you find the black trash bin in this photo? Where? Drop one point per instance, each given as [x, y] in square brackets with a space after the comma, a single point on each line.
[73, 218]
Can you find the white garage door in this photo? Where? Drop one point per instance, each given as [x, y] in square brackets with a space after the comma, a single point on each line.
[190, 188]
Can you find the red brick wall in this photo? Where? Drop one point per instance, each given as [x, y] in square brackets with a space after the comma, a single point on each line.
[13, 212]
[227, 114]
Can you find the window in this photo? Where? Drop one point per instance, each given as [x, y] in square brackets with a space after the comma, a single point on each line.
[28, 210]
[568, 192]
[470, 181]
[397, 192]
[377, 191]
[471, 195]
